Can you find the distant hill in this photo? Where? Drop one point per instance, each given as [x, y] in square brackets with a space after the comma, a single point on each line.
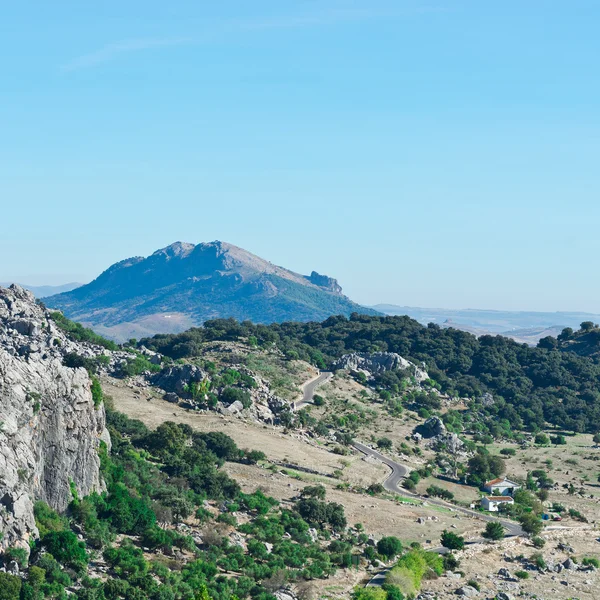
[522, 326]
[183, 285]
[42, 291]
[584, 342]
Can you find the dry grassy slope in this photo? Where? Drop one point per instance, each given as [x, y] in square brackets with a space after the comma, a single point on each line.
[380, 516]
[577, 462]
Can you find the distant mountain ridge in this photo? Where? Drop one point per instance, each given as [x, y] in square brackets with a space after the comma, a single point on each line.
[184, 284]
[522, 326]
[42, 291]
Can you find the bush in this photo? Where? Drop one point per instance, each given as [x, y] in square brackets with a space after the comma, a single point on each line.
[494, 531]
[538, 542]
[97, 395]
[508, 451]
[522, 574]
[531, 523]
[588, 561]
[452, 541]
[10, 587]
[389, 546]
[66, 548]
[375, 488]
[318, 400]
[384, 443]
[434, 490]
[231, 394]
[77, 332]
[450, 562]
[19, 555]
[474, 584]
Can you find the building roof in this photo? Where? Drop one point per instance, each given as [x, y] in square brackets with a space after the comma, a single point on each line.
[500, 480]
[500, 498]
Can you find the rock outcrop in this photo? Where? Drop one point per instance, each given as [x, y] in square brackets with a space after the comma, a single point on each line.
[50, 430]
[378, 362]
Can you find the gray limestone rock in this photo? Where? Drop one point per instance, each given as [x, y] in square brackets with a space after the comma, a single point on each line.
[50, 430]
[379, 362]
[177, 378]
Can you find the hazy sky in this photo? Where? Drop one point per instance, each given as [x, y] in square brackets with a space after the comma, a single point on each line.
[437, 153]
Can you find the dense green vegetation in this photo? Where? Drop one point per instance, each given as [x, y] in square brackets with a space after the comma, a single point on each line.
[78, 332]
[156, 481]
[531, 386]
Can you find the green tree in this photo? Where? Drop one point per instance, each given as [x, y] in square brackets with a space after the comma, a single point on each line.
[493, 531]
[10, 587]
[531, 523]
[389, 546]
[452, 541]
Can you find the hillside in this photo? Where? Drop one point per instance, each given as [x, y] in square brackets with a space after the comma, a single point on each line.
[530, 386]
[183, 285]
[584, 342]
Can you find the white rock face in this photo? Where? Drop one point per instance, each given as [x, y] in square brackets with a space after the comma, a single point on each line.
[50, 430]
[379, 362]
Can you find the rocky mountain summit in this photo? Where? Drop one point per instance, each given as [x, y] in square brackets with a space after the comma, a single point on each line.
[183, 285]
[50, 429]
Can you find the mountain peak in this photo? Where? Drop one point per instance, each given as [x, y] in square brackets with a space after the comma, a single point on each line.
[175, 250]
[185, 284]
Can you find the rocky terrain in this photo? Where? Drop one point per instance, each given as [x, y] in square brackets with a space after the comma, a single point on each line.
[50, 427]
[185, 284]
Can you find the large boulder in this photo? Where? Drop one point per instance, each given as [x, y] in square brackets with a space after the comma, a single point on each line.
[433, 427]
[177, 378]
[376, 363]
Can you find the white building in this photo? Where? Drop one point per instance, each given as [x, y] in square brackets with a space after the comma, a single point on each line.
[491, 503]
[501, 487]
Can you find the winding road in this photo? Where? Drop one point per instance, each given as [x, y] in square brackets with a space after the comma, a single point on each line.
[399, 472]
[309, 389]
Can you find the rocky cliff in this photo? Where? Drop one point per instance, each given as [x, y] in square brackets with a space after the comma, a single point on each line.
[50, 430]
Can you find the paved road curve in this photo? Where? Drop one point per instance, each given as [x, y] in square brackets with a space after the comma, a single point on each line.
[309, 389]
[399, 472]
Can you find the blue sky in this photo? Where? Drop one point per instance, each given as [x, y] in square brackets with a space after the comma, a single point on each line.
[436, 153]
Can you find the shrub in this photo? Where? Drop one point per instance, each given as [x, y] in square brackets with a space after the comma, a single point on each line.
[434, 490]
[538, 560]
[452, 541]
[318, 400]
[97, 394]
[538, 542]
[77, 332]
[588, 561]
[19, 555]
[65, 548]
[231, 394]
[531, 523]
[10, 587]
[389, 546]
[375, 488]
[494, 531]
[474, 584]
[384, 443]
[522, 574]
[508, 451]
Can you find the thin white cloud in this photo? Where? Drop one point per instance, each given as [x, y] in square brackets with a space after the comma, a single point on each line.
[319, 18]
[113, 51]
